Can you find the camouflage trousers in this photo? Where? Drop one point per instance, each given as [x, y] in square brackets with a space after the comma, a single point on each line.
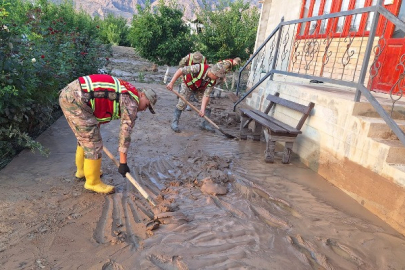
[186, 93]
[81, 120]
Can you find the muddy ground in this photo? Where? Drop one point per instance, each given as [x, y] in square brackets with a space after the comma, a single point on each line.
[223, 206]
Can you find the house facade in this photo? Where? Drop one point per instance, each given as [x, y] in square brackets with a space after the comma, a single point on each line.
[352, 66]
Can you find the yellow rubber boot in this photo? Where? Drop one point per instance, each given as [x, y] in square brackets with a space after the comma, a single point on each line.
[79, 163]
[92, 174]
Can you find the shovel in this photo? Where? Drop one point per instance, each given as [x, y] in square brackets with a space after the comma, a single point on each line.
[206, 118]
[131, 179]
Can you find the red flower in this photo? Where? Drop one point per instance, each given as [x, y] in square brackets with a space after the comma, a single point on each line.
[108, 59]
[42, 56]
[98, 26]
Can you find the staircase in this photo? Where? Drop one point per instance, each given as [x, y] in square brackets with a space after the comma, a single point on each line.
[391, 152]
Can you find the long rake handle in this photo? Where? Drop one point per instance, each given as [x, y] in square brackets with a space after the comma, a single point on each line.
[130, 178]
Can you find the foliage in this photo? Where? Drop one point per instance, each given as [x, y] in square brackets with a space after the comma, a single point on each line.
[43, 47]
[114, 30]
[229, 31]
[159, 34]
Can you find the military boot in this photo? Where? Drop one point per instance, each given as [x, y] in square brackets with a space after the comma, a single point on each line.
[175, 122]
[80, 164]
[204, 124]
[92, 175]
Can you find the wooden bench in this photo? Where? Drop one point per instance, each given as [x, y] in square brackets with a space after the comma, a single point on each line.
[275, 130]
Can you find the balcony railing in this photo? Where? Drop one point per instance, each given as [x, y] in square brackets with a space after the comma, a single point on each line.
[351, 58]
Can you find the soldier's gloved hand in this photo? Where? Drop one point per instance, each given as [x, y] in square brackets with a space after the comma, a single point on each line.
[123, 169]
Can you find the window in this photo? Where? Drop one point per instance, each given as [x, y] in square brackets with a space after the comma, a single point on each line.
[370, 17]
[398, 33]
[326, 10]
[357, 24]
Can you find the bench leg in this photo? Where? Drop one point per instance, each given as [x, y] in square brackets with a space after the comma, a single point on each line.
[257, 131]
[270, 151]
[287, 152]
[243, 131]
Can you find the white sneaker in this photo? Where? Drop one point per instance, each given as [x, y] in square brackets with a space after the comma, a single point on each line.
[188, 108]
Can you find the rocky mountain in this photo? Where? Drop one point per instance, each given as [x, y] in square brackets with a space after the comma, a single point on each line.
[126, 8]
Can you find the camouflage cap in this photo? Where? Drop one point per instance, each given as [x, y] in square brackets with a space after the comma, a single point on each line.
[237, 61]
[197, 57]
[218, 70]
[151, 96]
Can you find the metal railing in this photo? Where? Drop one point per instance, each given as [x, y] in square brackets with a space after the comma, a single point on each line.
[326, 55]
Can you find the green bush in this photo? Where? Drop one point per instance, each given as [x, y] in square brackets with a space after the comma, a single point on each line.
[159, 34]
[114, 30]
[43, 47]
[229, 30]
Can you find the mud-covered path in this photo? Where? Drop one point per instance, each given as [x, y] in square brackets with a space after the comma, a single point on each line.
[273, 216]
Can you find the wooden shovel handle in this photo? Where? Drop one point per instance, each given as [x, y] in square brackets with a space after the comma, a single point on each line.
[130, 178]
[195, 109]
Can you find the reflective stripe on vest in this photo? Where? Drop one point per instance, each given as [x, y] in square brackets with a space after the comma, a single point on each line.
[199, 77]
[116, 86]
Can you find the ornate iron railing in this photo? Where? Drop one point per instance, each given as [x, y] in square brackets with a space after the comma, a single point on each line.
[328, 56]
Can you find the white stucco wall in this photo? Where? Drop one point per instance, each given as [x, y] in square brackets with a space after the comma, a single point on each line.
[336, 142]
[272, 12]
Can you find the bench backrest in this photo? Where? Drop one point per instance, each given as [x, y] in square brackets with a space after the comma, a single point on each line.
[305, 110]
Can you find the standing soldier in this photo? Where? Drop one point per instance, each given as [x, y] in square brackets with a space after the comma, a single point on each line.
[200, 80]
[97, 99]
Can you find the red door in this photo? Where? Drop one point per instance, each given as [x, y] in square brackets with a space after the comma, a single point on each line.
[392, 55]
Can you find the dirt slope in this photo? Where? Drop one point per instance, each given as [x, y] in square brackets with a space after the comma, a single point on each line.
[272, 216]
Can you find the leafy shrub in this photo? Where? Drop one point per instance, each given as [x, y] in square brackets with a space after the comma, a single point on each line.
[114, 30]
[229, 30]
[43, 47]
[159, 34]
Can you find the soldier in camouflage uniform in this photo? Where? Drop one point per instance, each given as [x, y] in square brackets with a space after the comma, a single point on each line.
[199, 79]
[192, 59]
[97, 99]
[228, 65]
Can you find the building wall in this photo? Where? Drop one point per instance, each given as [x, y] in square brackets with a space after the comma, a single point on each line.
[336, 145]
[272, 12]
[335, 141]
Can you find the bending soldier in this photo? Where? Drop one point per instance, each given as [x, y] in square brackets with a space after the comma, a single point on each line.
[97, 99]
[229, 64]
[192, 59]
[200, 80]
[189, 60]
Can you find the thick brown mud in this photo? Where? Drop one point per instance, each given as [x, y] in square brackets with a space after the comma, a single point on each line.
[220, 206]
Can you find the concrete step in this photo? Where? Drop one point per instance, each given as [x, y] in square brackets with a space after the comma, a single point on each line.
[366, 109]
[400, 167]
[395, 150]
[377, 128]
[397, 172]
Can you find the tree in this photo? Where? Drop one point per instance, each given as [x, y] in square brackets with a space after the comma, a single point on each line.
[159, 34]
[114, 30]
[229, 30]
